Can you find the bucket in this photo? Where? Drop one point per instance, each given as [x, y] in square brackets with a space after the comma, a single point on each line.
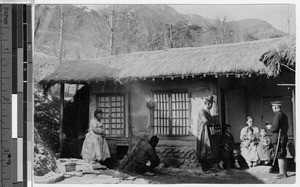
[70, 167]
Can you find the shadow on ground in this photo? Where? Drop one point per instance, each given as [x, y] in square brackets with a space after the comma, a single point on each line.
[224, 177]
[257, 175]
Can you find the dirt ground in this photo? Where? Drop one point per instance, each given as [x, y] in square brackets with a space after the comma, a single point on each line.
[256, 175]
[230, 176]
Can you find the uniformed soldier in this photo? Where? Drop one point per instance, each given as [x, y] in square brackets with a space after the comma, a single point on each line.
[280, 121]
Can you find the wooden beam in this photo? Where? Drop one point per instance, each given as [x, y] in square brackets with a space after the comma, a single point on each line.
[285, 84]
[62, 97]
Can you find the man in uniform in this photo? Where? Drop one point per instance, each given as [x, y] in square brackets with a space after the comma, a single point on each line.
[280, 121]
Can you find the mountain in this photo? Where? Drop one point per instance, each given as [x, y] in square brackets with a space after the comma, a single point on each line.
[246, 29]
[161, 13]
[255, 29]
[198, 20]
[152, 27]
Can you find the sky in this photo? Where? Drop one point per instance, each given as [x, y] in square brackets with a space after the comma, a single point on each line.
[276, 15]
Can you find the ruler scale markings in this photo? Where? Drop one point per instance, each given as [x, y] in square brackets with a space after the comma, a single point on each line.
[14, 105]
[25, 32]
[27, 96]
[1, 120]
[6, 61]
[24, 161]
[14, 49]
[20, 138]
[18, 150]
[25, 72]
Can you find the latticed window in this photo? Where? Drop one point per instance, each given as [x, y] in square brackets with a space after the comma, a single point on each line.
[113, 114]
[171, 114]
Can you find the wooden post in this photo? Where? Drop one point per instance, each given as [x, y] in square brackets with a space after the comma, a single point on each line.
[79, 110]
[294, 114]
[62, 97]
[151, 105]
[129, 122]
[151, 121]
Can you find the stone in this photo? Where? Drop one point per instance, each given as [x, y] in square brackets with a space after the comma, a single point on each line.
[91, 172]
[73, 174]
[131, 178]
[177, 155]
[44, 162]
[98, 166]
[197, 171]
[141, 181]
[260, 168]
[184, 167]
[160, 166]
[67, 176]
[173, 162]
[190, 154]
[49, 178]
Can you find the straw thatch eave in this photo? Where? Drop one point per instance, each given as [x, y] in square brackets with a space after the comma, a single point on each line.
[280, 56]
[237, 58]
[79, 72]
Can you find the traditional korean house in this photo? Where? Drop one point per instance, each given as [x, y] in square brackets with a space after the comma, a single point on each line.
[243, 77]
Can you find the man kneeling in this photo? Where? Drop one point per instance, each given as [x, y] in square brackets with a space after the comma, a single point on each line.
[147, 153]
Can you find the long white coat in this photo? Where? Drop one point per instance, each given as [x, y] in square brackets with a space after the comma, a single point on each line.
[95, 146]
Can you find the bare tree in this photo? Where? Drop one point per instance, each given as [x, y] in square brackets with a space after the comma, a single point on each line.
[220, 31]
[289, 14]
[40, 9]
[112, 34]
[43, 17]
[153, 34]
[61, 32]
[110, 16]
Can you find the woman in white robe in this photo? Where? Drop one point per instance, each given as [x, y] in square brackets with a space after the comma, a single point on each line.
[95, 146]
[249, 153]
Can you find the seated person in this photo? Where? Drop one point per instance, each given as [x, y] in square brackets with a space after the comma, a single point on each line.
[228, 154]
[265, 147]
[147, 153]
[249, 148]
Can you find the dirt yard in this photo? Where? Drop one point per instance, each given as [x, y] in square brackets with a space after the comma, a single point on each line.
[84, 174]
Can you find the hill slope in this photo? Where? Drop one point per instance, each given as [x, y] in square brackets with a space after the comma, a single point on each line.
[87, 34]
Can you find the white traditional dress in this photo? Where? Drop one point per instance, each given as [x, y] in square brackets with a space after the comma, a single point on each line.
[249, 152]
[265, 148]
[95, 146]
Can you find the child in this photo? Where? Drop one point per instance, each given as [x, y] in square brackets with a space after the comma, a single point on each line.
[228, 153]
[265, 147]
[250, 143]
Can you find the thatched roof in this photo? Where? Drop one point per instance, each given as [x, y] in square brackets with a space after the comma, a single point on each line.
[79, 72]
[241, 58]
[282, 54]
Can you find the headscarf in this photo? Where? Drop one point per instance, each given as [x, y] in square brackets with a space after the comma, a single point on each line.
[97, 111]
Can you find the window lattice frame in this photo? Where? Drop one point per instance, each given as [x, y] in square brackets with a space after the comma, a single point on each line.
[171, 114]
[113, 107]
